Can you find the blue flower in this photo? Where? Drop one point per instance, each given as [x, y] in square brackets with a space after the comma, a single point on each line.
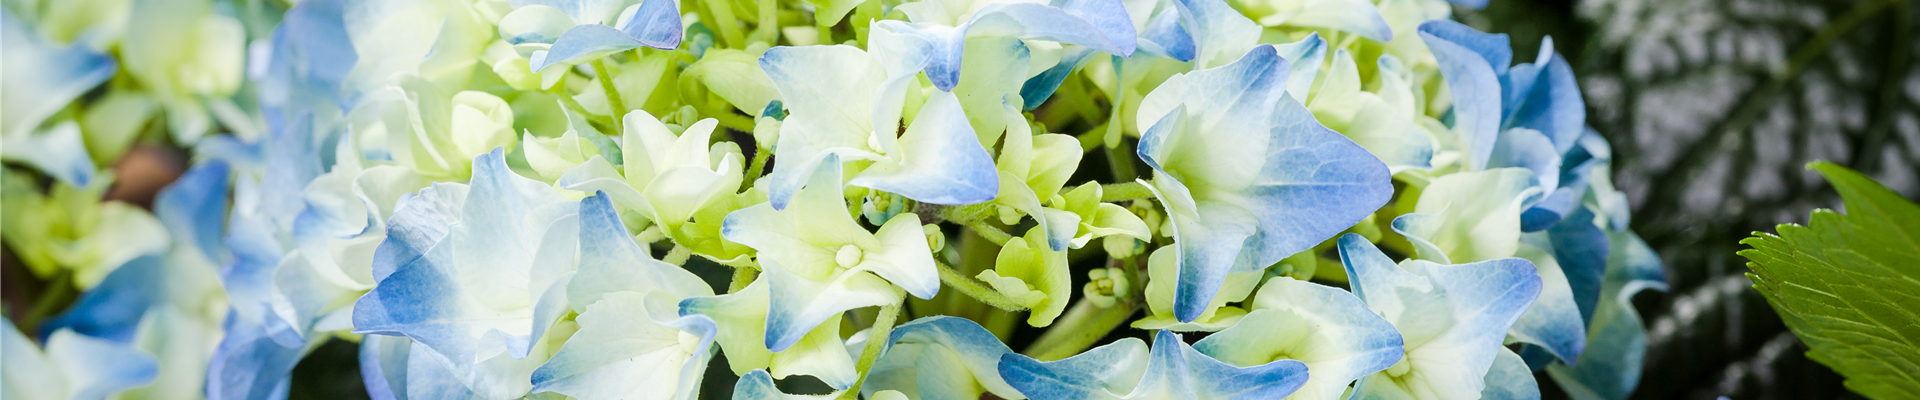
[943, 28]
[1247, 176]
[1528, 115]
[476, 274]
[1329, 329]
[652, 23]
[1172, 370]
[42, 78]
[73, 366]
[940, 358]
[1452, 319]
[846, 104]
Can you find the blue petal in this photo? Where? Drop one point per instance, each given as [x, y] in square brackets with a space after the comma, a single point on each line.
[1040, 87]
[41, 79]
[113, 310]
[626, 344]
[796, 304]
[1100, 24]
[586, 43]
[312, 54]
[1582, 250]
[1166, 38]
[293, 160]
[383, 366]
[1473, 4]
[249, 364]
[98, 368]
[1173, 369]
[1087, 375]
[59, 151]
[656, 23]
[1618, 336]
[943, 46]
[942, 160]
[429, 378]
[757, 385]
[1342, 339]
[1219, 32]
[194, 206]
[1495, 48]
[1311, 183]
[1471, 63]
[611, 261]
[1527, 148]
[1305, 56]
[933, 339]
[1510, 379]
[1544, 96]
[1553, 323]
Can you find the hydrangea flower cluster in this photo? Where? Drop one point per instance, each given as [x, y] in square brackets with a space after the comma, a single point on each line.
[842, 198]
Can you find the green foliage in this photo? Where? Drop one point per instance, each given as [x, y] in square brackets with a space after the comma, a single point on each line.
[1849, 284]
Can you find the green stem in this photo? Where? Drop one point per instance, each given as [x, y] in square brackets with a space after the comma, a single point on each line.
[760, 157]
[614, 104]
[876, 340]
[992, 234]
[1066, 340]
[722, 13]
[742, 276]
[678, 256]
[1120, 160]
[56, 294]
[978, 291]
[967, 214]
[1123, 191]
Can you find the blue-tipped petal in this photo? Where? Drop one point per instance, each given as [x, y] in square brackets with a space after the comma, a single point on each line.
[1453, 317]
[656, 23]
[114, 308]
[383, 366]
[611, 261]
[1173, 370]
[630, 344]
[1527, 148]
[1582, 250]
[41, 79]
[943, 160]
[1553, 322]
[1618, 336]
[1040, 87]
[1329, 329]
[1100, 24]
[1305, 56]
[1165, 37]
[194, 208]
[588, 42]
[1273, 180]
[428, 376]
[1219, 32]
[1510, 379]
[797, 304]
[72, 366]
[1544, 96]
[249, 364]
[940, 358]
[1473, 78]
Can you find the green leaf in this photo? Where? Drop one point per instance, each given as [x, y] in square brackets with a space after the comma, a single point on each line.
[1849, 285]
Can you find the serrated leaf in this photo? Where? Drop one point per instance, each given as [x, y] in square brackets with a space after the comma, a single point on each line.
[1849, 284]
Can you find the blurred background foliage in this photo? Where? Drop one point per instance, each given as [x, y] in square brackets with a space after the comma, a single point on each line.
[1713, 107]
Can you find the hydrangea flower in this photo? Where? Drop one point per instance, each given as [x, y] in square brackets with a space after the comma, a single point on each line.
[41, 78]
[572, 31]
[743, 319]
[73, 366]
[1247, 176]
[192, 59]
[1328, 329]
[1171, 370]
[944, 28]
[433, 132]
[1451, 318]
[847, 104]
[476, 274]
[666, 178]
[818, 262]
[940, 358]
[632, 341]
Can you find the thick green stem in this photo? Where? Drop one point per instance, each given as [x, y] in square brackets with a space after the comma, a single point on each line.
[58, 292]
[678, 256]
[760, 157]
[742, 276]
[722, 13]
[614, 104]
[876, 340]
[1123, 191]
[989, 232]
[978, 291]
